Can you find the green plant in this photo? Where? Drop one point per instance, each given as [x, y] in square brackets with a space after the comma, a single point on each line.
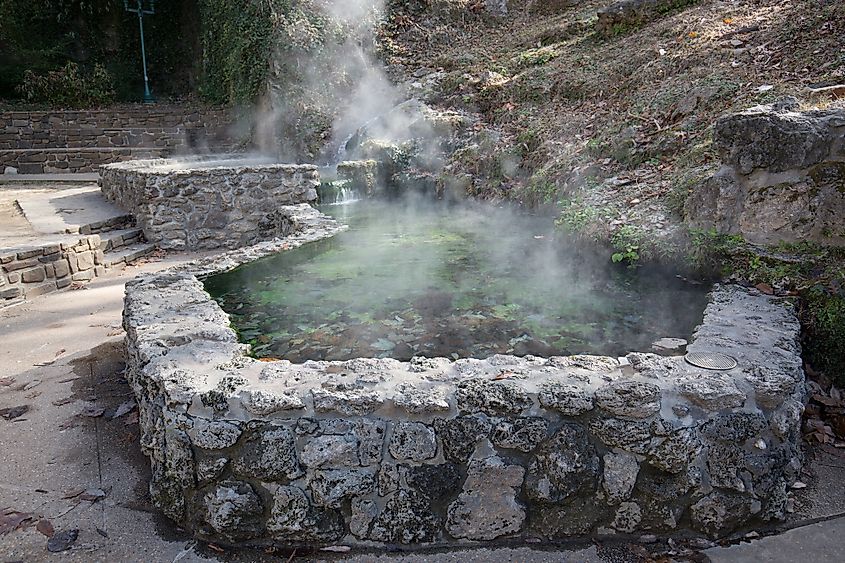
[535, 57]
[628, 243]
[68, 87]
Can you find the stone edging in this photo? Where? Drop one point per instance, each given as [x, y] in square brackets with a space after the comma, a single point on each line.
[195, 204]
[440, 452]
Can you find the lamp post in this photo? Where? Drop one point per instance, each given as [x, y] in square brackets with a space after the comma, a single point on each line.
[143, 8]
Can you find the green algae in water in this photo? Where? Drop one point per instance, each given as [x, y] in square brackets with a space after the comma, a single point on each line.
[454, 281]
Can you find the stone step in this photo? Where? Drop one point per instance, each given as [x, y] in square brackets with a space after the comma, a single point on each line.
[118, 238]
[107, 226]
[127, 254]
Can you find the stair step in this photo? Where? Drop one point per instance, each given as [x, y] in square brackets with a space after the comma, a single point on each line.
[108, 225]
[127, 254]
[117, 238]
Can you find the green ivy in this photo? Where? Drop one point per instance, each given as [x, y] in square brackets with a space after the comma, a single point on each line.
[236, 47]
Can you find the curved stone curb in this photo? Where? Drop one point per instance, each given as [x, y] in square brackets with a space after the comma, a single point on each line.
[435, 451]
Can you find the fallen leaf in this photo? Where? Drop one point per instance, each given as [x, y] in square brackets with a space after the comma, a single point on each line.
[60, 402]
[69, 423]
[826, 401]
[93, 495]
[92, 411]
[12, 413]
[216, 548]
[728, 21]
[31, 384]
[73, 493]
[765, 288]
[6, 381]
[61, 541]
[123, 409]
[45, 527]
[11, 520]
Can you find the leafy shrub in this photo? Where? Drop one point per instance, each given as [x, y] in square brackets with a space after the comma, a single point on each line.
[68, 87]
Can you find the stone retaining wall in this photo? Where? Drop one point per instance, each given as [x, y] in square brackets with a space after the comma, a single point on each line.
[79, 141]
[440, 452]
[35, 271]
[197, 204]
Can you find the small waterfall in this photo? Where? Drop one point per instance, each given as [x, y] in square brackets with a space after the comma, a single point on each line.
[339, 192]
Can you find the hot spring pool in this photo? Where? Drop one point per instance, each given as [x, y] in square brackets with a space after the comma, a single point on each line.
[421, 279]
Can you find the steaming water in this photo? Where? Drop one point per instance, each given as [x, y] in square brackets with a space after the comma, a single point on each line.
[455, 281]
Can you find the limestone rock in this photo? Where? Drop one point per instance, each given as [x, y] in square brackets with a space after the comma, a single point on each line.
[330, 487]
[523, 434]
[569, 399]
[435, 482]
[734, 427]
[563, 466]
[262, 402]
[719, 512]
[712, 390]
[407, 518]
[777, 138]
[293, 518]
[412, 441]
[669, 346]
[268, 454]
[627, 14]
[179, 458]
[487, 507]
[782, 178]
[771, 387]
[232, 509]
[627, 518]
[674, 453]
[620, 475]
[330, 451]
[629, 398]
[460, 436]
[419, 401]
[491, 397]
[370, 436]
[210, 469]
[786, 421]
[214, 434]
[631, 435]
[363, 513]
[355, 402]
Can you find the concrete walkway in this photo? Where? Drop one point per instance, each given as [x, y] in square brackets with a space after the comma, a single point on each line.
[49, 212]
[83, 177]
[816, 543]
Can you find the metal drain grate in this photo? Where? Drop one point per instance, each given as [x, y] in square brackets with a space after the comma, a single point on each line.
[710, 360]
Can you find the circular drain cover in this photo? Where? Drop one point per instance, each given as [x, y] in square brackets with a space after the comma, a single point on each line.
[710, 360]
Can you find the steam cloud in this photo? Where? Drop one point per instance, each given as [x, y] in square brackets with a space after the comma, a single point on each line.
[325, 80]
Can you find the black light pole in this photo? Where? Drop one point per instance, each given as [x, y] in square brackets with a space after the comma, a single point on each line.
[141, 10]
